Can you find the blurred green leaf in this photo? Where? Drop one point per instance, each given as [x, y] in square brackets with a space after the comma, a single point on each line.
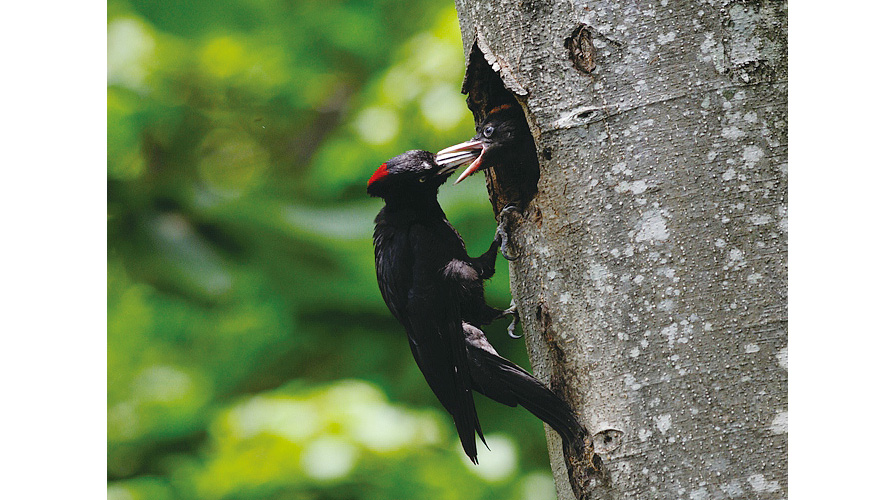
[250, 355]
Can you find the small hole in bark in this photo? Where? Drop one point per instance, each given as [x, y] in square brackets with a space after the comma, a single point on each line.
[584, 114]
[581, 50]
[607, 440]
[548, 153]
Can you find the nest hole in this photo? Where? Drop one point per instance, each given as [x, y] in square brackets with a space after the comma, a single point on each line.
[515, 182]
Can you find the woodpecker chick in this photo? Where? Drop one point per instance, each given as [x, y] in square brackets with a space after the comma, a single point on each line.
[502, 139]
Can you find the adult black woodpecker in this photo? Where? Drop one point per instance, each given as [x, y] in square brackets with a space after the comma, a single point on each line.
[435, 290]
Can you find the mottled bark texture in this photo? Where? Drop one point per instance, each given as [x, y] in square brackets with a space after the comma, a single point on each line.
[652, 277]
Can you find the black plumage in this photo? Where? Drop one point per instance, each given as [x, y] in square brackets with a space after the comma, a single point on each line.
[435, 290]
[502, 140]
[505, 382]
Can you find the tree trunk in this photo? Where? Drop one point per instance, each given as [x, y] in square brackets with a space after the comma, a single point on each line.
[652, 277]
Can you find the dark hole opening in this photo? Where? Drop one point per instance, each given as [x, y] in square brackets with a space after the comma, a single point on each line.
[513, 178]
[548, 153]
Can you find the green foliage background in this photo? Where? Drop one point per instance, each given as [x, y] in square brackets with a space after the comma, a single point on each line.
[250, 355]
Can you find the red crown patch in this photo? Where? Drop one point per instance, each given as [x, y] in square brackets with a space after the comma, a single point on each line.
[380, 173]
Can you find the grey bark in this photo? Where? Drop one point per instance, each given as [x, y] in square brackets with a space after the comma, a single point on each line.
[652, 281]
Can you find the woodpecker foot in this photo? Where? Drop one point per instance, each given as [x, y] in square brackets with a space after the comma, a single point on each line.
[501, 232]
[512, 311]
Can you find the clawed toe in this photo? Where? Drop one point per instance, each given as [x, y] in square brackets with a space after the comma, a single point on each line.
[511, 328]
[515, 313]
[501, 232]
[509, 208]
[505, 244]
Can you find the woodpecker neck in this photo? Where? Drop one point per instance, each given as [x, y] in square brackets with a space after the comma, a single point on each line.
[420, 202]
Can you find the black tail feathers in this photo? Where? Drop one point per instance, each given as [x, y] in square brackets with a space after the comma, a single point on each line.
[535, 397]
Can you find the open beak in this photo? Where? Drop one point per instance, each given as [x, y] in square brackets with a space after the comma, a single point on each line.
[460, 154]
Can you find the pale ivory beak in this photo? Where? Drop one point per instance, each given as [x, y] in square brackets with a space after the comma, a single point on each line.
[461, 154]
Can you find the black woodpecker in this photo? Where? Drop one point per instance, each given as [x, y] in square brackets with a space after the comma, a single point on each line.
[503, 139]
[504, 144]
[435, 290]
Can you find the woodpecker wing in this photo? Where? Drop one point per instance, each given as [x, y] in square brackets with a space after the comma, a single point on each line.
[432, 320]
[394, 261]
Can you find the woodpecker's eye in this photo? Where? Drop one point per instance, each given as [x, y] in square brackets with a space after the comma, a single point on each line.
[422, 179]
[488, 131]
